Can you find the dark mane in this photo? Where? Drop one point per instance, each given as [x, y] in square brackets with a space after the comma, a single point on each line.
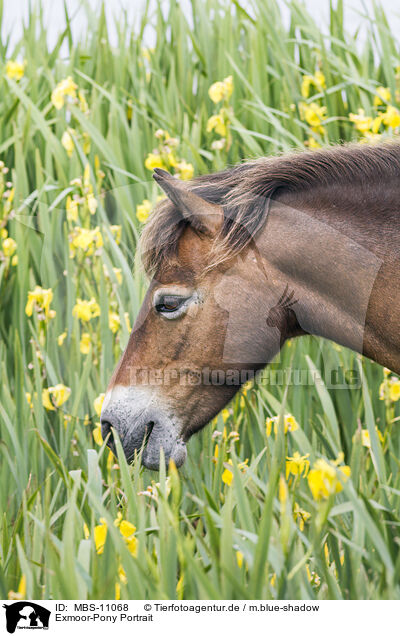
[246, 190]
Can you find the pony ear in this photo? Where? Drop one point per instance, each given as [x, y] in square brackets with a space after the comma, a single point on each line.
[203, 216]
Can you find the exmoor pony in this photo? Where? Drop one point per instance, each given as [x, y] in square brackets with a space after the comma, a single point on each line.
[242, 260]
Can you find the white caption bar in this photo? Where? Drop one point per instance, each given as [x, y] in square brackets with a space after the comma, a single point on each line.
[147, 617]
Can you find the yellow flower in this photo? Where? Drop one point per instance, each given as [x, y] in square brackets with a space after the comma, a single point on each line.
[129, 110]
[365, 437]
[382, 93]
[10, 195]
[317, 80]
[153, 161]
[217, 123]
[22, 587]
[392, 117]
[173, 162]
[247, 387]
[300, 515]
[127, 321]
[143, 210]
[46, 400]
[320, 81]
[394, 390]
[91, 202]
[161, 134]
[323, 479]
[362, 122]
[228, 86]
[85, 310]
[313, 577]
[227, 475]
[15, 70]
[128, 530]
[98, 403]
[9, 247]
[29, 399]
[239, 558]
[60, 394]
[312, 143]
[65, 88]
[85, 240]
[122, 575]
[116, 231]
[57, 99]
[314, 115]
[114, 321]
[289, 424]
[21, 593]
[306, 84]
[100, 536]
[180, 587]
[118, 519]
[376, 124]
[122, 579]
[84, 345]
[86, 176]
[86, 143]
[72, 209]
[97, 436]
[55, 396]
[390, 387]
[61, 338]
[185, 170]
[221, 90]
[216, 453]
[297, 465]
[40, 299]
[216, 92]
[283, 491]
[68, 143]
[83, 105]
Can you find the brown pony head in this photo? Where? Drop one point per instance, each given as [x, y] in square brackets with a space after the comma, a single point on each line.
[191, 347]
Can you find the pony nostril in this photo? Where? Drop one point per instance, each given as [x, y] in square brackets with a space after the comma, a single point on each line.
[107, 433]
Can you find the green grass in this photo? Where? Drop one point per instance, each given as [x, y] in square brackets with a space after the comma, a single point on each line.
[54, 477]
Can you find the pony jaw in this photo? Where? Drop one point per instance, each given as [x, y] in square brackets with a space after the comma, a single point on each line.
[144, 426]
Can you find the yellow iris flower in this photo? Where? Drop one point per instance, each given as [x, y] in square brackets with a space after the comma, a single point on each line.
[325, 478]
[55, 396]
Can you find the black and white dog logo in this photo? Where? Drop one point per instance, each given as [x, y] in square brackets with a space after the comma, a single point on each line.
[26, 615]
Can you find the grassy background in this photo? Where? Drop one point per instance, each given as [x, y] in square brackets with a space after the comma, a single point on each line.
[198, 537]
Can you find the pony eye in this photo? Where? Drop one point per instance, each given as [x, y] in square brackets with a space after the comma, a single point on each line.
[169, 304]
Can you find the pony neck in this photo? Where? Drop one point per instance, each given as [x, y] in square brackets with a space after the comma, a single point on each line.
[344, 279]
